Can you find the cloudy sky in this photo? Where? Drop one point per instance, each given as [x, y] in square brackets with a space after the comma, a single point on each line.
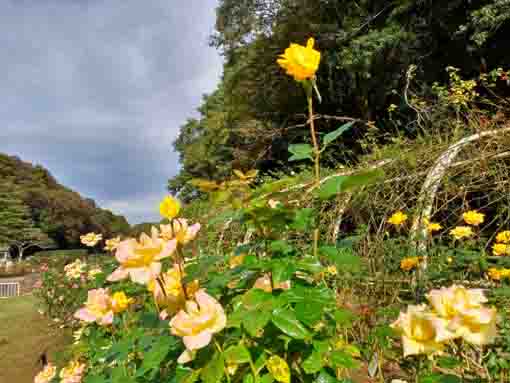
[95, 91]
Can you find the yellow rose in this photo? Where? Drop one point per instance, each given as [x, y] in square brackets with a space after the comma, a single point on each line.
[494, 274]
[420, 330]
[90, 239]
[460, 232]
[397, 218]
[300, 62]
[202, 318]
[168, 290]
[503, 237]
[410, 263]
[465, 312]
[500, 249]
[473, 217]
[120, 302]
[279, 368]
[169, 207]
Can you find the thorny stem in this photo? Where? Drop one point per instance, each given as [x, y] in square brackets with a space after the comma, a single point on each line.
[316, 160]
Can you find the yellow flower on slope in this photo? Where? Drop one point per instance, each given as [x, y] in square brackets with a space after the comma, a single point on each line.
[397, 218]
[90, 239]
[460, 232]
[500, 249]
[279, 368]
[474, 218]
[503, 237]
[169, 207]
[46, 375]
[410, 263]
[120, 302]
[300, 62]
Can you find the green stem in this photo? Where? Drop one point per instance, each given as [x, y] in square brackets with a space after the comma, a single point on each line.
[316, 160]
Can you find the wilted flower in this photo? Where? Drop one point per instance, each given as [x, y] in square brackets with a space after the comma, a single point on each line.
[46, 375]
[279, 368]
[169, 207]
[472, 217]
[460, 232]
[120, 302]
[112, 243]
[466, 315]
[397, 218]
[90, 239]
[236, 260]
[500, 249]
[420, 330]
[179, 230]
[300, 62]
[140, 259]
[98, 308]
[72, 373]
[503, 237]
[409, 263]
[264, 283]
[202, 318]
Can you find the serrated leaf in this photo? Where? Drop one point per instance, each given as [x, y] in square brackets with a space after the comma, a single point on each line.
[309, 312]
[313, 363]
[255, 320]
[287, 322]
[237, 355]
[214, 370]
[300, 152]
[332, 136]
[341, 359]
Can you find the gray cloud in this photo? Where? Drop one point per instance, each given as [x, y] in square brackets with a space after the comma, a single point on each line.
[96, 91]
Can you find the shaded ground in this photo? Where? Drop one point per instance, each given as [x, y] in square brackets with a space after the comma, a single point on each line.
[24, 336]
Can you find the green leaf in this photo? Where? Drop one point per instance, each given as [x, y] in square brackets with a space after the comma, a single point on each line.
[95, 379]
[340, 184]
[280, 246]
[341, 359]
[287, 322]
[214, 370]
[324, 377]
[309, 312]
[153, 358]
[237, 354]
[255, 320]
[304, 219]
[313, 363]
[344, 258]
[300, 152]
[344, 318]
[282, 270]
[267, 378]
[332, 136]
[439, 378]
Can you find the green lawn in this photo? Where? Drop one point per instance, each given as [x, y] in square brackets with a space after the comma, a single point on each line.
[24, 336]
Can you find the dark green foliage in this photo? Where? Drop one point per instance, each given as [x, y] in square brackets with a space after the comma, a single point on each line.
[367, 47]
[35, 207]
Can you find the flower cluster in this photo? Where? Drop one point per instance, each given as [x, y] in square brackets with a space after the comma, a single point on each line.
[502, 246]
[100, 307]
[455, 312]
[74, 270]
[91, 239]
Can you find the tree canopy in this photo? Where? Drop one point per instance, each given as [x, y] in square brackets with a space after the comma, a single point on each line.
[367, 47]
[35, 207]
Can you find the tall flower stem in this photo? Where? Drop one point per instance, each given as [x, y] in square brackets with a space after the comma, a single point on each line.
[316, 159]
